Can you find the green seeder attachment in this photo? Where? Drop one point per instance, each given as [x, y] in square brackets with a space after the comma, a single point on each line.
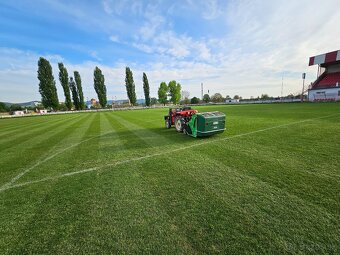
[205, 124]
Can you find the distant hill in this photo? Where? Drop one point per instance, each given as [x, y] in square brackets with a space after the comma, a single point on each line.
[25, 104]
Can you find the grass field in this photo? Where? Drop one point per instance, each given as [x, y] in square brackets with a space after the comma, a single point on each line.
[119, 182]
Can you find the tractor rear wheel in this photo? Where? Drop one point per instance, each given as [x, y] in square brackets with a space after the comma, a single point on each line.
[178, 124]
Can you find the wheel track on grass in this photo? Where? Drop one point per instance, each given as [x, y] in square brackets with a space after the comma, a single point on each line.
[92, 169]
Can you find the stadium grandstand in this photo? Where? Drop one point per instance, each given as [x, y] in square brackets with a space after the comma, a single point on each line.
[327, 85]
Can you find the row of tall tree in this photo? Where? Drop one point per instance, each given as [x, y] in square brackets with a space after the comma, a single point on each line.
[131, 88]
[73, 86]
[48, 89]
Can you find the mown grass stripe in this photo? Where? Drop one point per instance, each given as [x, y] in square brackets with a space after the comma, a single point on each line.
[52, 142]
[160, 153]
[33, 133]
[129, 139]
[242, 173]
[18, 154]
[26, 123]
[156, 138]
[84, 146]
[219, 196]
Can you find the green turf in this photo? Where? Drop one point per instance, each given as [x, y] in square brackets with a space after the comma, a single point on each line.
[120, 183]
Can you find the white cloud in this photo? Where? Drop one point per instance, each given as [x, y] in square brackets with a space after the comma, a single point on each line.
[94, 54]
[114, 38]
[212, 9]
[174, 45]
[150, 27]
[258, 42]
[113, 7]
[106, 6]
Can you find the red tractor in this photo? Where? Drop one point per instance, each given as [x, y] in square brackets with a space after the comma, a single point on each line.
[179, 116]
[195, 124]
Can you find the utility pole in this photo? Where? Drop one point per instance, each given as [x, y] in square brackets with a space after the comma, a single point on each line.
[202, 90]
[303, 85]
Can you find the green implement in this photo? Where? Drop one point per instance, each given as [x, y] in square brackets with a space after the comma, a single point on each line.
[205, 124]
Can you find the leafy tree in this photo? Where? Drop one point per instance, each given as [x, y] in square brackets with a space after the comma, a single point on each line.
[63, 78]
[264, 96]
[15, 107]
[130, 86]
[63, 107]
[236, 97]
[206, 98]
[194, 100]
[146, 88]
[163, 93]
[74, 91]
[47, 88]
[153, 101]
[174, 92]
[79, 90]
[217, 98]
[99, 86]
[3, 107]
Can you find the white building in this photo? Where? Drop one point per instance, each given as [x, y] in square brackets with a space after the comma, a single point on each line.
[326, 94]
[43, 111]
[232, 101]
[18, 113]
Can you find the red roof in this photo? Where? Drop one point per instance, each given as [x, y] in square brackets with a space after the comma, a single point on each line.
[325, 58]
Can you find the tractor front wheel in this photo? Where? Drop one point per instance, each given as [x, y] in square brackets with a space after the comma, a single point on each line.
[167, 123]
[178, 124]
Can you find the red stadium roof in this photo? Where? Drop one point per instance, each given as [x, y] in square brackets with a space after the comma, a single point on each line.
[325, 58]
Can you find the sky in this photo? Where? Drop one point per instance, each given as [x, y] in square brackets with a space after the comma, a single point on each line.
[233, 47]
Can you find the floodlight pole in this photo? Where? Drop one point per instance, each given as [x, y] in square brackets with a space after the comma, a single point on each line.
[303, 85]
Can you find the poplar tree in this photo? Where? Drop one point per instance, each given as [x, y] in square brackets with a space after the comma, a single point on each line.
[47, 88]
[130, 86]
[74, 91]
[79, 90]
[99, 86]
[146, 88]
[63, 78]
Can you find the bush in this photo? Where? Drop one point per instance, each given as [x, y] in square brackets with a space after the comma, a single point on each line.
[3, 107]
[153, 101]
[15, 107]
[194, 100]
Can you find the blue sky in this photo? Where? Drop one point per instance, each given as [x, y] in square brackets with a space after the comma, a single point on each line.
[233, 47]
